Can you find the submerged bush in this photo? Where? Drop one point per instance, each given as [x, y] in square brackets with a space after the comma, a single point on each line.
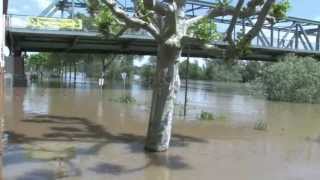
[206, 116]
[126, 99]
[294, 79]
[261, 125]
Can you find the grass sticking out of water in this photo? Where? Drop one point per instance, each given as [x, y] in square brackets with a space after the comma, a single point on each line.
[261, 125]
[207, 116]
[50, 152]
[179, 110]
[125, 99]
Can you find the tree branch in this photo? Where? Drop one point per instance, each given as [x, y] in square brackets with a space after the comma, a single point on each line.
[234, 50]
[123, 30]
[258, 25]
[250, 10]
[215, 12]
[233, 23]
[131, 22]
[161, 8]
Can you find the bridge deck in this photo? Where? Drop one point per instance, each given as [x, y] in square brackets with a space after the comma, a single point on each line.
[93, 42]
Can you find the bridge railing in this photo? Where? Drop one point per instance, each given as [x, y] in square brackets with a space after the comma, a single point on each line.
[56, 24]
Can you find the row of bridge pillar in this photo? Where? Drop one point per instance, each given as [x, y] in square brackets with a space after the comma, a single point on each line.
[19, 75]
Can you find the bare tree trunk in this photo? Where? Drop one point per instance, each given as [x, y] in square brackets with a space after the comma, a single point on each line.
[65, 72]
[2, 90]
[74, 72]
[166, 84]
[103, 69]
[70, 71]
[2, 115]
[103, 62]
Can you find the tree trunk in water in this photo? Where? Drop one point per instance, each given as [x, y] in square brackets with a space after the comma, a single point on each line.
[70, 72]
[166, 84]
[2, 116]
[103, 70]
[65, 72]
[74, 72]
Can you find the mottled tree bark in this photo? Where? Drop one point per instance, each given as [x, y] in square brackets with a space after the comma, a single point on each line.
[74, 72]
[70, 72]
[2, 84]
[165, 87]
[2, 116]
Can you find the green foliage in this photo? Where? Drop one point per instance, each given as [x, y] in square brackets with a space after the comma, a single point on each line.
[54, 61]
[206, 116]
[218, 70]
[93, 6]
[88, 22]
[205, 30]
[252, 70]
[223, 3]
[279, 10]
[147, 73]
[142, 11]
[50, 151]
[90, 64]
[243, 47]
[261, 125]
[53, 64]
[126, 65]
[114, 65]
[125, 99]
[36, 61]
[103, 18]
[195, 71]
[107, 23]
[93, 64]
[294, 79]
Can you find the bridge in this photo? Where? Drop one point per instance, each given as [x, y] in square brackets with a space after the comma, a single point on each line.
[290, 35]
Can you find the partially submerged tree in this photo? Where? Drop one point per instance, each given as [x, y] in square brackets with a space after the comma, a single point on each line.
[166, 22]
[36, 62]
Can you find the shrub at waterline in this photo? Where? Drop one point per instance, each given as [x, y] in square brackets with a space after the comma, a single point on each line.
[294, 79]
[206, 116]
[261, 125]
[125, 99]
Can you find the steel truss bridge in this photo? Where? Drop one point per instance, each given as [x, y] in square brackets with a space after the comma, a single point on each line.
[291, 35]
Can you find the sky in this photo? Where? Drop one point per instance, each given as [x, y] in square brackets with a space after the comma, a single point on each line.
[300, 8]
[305, 9]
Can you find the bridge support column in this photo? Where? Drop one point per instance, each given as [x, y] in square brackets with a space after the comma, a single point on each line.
[19, 76]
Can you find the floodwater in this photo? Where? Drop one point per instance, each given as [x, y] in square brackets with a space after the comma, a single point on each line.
[62, 132]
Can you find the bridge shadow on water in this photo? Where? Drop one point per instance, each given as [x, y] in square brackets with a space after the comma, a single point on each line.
[82, 130]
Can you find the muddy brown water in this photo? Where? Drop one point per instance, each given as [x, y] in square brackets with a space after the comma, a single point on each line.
[61, 132]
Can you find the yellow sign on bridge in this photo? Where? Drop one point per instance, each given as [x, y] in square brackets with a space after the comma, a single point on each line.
[54, 23]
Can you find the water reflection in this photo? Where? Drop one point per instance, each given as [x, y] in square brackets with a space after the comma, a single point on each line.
[62, 137]
[3, 138]
[60, 131]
